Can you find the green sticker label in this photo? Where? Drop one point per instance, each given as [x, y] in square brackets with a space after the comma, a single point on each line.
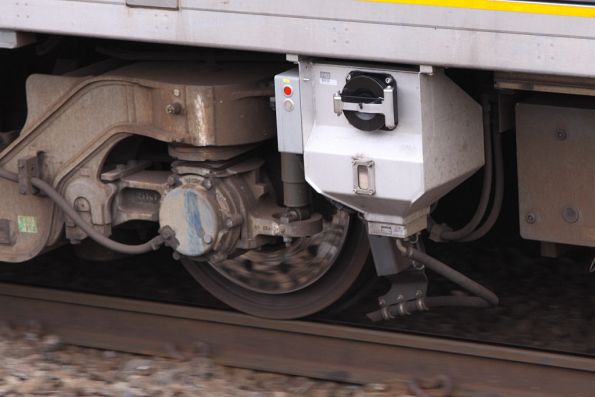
[27, 224]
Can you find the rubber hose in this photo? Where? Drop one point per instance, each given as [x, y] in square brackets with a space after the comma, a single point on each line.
[498, 194]
[53, 194]
[486, 189]
[449, 273]
[446, 301]
[484, 297]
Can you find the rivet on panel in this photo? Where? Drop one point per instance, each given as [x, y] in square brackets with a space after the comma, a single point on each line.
[561, 134]
[530, 218]
[570, 215]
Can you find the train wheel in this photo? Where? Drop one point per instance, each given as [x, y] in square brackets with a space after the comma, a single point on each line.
[290, 281]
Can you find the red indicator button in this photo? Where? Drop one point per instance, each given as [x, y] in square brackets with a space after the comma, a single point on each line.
[287, 90]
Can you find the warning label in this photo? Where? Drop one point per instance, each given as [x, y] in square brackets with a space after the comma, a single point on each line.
[325, 79]
[27, 224]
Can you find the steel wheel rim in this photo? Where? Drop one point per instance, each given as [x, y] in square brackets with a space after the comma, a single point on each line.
[290, 268]
[319, 295]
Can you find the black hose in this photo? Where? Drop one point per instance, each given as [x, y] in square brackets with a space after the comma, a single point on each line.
[448, 301]
[498, 193]
[449, 273]
[486, 189]
[484, 297]
[53, 194]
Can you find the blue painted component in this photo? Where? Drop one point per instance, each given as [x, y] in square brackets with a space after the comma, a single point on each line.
[193, 216]
[192, 212]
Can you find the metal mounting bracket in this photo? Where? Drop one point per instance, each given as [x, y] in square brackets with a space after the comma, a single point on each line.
[29, 167]
[13, 39]
[124, 170]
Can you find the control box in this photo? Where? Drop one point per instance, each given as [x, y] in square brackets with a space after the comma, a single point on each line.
[289, 112]
[387, 142]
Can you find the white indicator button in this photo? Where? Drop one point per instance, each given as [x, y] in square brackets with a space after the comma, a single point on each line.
[289, 105]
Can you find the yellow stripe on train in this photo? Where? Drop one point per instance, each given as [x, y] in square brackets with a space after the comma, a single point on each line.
[572, 10]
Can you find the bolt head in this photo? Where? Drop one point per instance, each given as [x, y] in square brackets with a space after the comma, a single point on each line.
[176, 92]
[570, 215]
[530, 218]
[166, 232]
[81, 204]
[172, 180]
[173, 108]
[388, 80]
[561, 134]
[207, 184]
[207, 238]
[348, 77]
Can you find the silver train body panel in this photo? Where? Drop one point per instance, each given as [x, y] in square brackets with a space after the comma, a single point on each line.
[393, 31]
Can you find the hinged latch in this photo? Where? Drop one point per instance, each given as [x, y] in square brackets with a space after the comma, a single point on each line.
[384, 106]
[368, 100]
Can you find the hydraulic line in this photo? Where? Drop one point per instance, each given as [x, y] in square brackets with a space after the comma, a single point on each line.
[449, 273]
[498, 193]
[53, 194]
[486, 189]
[426, 303]
[446, 301]
[484, 297]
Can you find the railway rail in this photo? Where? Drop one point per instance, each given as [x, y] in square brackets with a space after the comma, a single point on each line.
[326, 351]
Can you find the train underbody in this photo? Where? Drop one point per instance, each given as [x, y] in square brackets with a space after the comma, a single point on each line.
[281, 182]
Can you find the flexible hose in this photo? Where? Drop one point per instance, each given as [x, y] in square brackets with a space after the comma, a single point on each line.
[448, 301]
[449, 273]
[498, 193]
[484, 297]
[486, 189]
[53, 194]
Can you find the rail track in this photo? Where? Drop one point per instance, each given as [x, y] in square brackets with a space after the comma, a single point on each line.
[333, 352]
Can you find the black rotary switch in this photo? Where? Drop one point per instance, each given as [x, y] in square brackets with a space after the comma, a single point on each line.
[369, 101]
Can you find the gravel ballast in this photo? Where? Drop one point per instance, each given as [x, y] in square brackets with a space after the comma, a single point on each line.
[35, 365]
